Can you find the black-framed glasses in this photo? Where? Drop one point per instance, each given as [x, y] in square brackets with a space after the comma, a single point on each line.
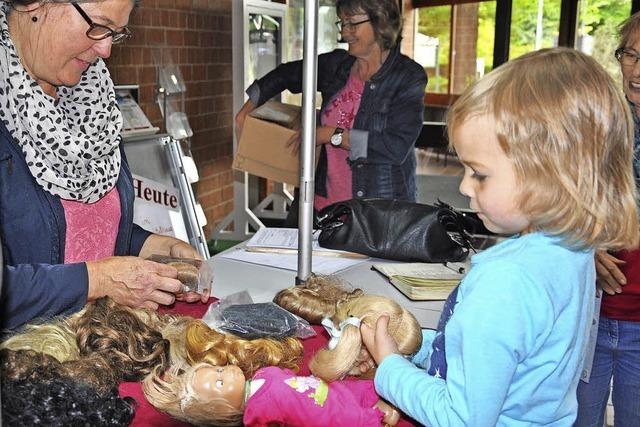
[626, 57]
[101, 32]
[349, 26]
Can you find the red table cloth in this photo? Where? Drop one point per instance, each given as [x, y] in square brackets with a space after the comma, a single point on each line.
[147, 415]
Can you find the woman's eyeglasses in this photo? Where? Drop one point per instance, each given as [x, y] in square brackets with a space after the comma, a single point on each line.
[349, 26]
[101, 32]
[626, 57]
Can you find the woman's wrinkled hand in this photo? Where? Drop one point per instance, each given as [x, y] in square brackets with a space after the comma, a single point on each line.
[610, 277]
[133, 281]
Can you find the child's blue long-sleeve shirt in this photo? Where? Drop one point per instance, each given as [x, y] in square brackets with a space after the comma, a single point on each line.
[514, 344]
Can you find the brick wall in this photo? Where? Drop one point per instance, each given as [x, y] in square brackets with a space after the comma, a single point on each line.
[197, 33]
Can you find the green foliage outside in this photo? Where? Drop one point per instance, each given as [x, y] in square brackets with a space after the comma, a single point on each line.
[597, 32]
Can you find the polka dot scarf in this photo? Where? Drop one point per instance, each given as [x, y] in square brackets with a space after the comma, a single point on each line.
[71, 143]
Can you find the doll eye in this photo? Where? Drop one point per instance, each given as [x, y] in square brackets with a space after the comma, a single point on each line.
[219, 370]
[219, 383]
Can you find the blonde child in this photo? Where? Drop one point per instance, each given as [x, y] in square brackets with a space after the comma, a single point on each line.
[546, 144]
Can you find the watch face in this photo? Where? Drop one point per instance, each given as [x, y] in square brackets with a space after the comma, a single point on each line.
[336, 139]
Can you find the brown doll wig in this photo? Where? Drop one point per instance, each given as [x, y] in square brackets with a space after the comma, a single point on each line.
[130, 339]
[171, 392]
[94, 371]
[331, 365]
[204, 344]
[317, 298]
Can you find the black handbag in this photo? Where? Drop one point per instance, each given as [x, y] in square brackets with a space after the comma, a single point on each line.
[396, 230]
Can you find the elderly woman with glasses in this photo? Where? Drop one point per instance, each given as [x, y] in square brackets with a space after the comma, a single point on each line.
[617, 345]
[372, 107]
[66, 192]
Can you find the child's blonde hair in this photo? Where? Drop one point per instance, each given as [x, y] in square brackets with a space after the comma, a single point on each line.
[569, 132]
[204, 344]
[331, 365]
[172, 392]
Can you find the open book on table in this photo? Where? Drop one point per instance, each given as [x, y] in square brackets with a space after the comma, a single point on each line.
[424, 281]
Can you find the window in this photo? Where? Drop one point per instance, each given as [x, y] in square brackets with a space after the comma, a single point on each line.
[454, 43]
[597, 31]
[535, 25]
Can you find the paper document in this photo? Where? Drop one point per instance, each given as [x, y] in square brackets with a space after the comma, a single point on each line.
[320, 264]
[285, 240]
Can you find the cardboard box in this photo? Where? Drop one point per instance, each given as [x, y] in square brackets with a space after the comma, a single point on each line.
[262, 150]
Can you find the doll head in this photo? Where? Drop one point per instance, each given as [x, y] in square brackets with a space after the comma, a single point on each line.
[317, 298]
[204, 344]
[129, 339]
[563, 122]
[201, 394]
[331, 365]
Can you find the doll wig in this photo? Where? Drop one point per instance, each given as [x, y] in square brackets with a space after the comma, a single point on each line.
[317, 298]
[94, 371]
[331, 365]
[46, 394]
[120, 334]
[172, 392]
[204, 344]
[55, 338]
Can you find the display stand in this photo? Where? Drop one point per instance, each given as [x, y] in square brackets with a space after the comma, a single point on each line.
[159, 158]
[242, 219]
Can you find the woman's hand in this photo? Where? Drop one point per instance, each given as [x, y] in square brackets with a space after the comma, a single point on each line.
[133, 281]
[378, 341]
[242, 116]
[610, 277]
[170, 246]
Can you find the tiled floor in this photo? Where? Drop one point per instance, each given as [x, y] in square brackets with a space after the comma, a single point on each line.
[435, 180]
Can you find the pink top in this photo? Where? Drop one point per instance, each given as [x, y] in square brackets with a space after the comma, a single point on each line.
[340, 112]
[288, 400]
[92, 228]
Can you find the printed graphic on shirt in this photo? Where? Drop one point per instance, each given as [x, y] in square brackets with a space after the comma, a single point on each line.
[302, 384]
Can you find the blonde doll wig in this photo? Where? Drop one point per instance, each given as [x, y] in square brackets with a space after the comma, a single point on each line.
[331, 365]
[568, 129]
[56, 339]
[317, 298]
[204, 344]
[172, 392]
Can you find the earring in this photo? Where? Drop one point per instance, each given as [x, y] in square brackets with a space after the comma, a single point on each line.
[34, 19]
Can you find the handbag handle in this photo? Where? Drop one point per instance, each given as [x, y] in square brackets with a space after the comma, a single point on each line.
[332, 218]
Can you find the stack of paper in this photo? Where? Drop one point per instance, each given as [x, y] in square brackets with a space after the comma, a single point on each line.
[423, 281]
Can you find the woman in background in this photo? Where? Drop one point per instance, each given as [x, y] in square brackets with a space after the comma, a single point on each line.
[372, 107]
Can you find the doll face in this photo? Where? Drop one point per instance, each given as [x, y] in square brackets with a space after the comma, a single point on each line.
[220, 382]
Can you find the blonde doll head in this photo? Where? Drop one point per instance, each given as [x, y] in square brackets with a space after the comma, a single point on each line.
[317, 298]
[204, 344]
[331, 365]
[177, 392]
[567, 128]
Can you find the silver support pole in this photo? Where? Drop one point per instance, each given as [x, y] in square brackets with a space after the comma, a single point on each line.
[307, 149]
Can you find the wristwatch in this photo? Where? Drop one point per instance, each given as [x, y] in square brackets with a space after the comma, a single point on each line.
[336, 138]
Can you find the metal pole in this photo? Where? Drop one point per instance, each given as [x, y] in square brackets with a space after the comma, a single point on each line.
[307, 149]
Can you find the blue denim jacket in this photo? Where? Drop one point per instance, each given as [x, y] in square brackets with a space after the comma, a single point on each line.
[385, 128]
[36, 283]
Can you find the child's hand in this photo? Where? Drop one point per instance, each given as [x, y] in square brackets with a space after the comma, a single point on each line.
[379, 343]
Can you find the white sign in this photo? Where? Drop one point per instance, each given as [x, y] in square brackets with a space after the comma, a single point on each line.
[157, 208]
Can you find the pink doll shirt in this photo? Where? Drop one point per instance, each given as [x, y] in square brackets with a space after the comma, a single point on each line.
[289, 400]
[92, 228]
[340, 112]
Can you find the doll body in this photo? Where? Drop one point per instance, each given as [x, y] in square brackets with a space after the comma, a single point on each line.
[287, 399]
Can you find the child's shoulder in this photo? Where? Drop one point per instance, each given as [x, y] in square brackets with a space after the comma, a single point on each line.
[529, 264]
